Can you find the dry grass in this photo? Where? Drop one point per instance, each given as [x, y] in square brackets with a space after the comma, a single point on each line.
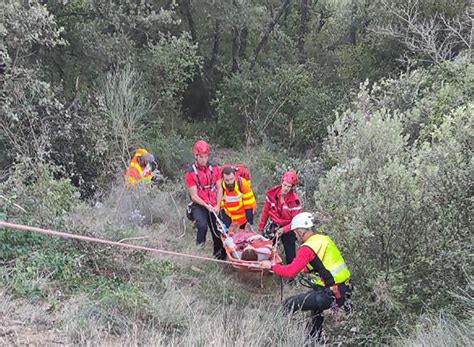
[168, 301]
[440, 332]
[190, 303]
[27, 322]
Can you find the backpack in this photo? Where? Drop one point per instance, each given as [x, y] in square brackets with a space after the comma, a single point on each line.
[240, 170]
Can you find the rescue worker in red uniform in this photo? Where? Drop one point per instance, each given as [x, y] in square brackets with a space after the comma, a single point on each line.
[329, 276]
[281, 205]
[204, 184]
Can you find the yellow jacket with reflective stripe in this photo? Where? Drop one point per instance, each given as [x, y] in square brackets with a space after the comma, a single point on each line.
[235, 202]
[135, 173]
[329, 267]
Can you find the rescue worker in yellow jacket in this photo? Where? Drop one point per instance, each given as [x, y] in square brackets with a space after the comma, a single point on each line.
[142, 168]
[328, 275]
[238, 203]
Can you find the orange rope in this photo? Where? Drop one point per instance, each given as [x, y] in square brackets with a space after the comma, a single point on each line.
[112, 243]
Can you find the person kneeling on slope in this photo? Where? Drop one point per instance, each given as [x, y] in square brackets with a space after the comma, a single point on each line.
[329, 276]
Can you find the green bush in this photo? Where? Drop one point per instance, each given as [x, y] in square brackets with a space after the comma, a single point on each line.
[439, 330]
[309, 173]
[41, 200]
[401, 212]
[260, 103]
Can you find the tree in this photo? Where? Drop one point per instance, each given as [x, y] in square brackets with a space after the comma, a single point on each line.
[438, 38]
[400, 205]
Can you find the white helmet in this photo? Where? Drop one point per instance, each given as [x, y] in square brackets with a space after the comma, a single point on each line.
[303, 220]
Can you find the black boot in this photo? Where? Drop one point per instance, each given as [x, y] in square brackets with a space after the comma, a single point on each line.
[220, 254]
[315, 327]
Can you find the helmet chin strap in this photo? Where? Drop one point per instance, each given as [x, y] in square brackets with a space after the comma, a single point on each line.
[303, 234]
[197, 162]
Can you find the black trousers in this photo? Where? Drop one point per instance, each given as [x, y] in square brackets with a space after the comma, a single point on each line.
[289, 243]
[317, 300]
[204, 220]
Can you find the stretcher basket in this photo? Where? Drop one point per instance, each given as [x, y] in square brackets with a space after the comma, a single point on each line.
[249, 265]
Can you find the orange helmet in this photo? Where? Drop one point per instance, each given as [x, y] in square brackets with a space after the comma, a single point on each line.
[201, 147]
[140, 152]
[290, 177]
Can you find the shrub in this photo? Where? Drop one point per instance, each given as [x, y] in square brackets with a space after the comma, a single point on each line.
[258, 102]
[125, 109]
[401, 211]
[439, 331]
[309, 172]
[41, 200]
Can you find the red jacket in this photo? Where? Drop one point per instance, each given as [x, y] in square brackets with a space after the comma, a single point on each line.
[206, 183]
[304, 256]
[281, 214]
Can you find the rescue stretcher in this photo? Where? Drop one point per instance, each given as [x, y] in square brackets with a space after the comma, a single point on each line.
[248, 265]
[244, 265]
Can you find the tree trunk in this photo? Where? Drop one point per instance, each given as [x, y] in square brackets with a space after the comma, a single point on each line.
[239, 46]
[215, 50]
[185, 7]
[303, 30]
[271, 26]
[323, 17]
[236, 45]
[353, 27]
[197, 98]
[244, 33]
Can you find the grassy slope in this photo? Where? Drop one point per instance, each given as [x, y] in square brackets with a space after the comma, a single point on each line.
[71, 292]
[67, 292]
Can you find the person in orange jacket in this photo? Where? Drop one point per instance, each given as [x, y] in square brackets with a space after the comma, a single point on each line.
[142, 168]
[238, 202]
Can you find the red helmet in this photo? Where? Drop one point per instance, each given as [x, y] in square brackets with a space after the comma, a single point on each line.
[201, 147]
[290, 177]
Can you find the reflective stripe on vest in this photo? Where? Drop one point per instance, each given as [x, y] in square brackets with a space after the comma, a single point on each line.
[249, 199]
[137, 174]
[232, 198]
[144, 174]
[326, 250]
[233, 204]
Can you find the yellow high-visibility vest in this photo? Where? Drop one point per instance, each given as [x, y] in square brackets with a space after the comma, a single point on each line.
[329, 265]
[235, 202]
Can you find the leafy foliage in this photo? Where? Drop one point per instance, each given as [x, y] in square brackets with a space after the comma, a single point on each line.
[397, 211]
[32, 195]
[370, 101]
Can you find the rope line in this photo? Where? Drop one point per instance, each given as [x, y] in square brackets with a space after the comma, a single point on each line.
[113, 243]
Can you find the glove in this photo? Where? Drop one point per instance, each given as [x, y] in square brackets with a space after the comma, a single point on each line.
[269, 231]
[280, 232]
[156, 176]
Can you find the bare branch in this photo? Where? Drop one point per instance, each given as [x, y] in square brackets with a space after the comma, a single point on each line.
[439, 38]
